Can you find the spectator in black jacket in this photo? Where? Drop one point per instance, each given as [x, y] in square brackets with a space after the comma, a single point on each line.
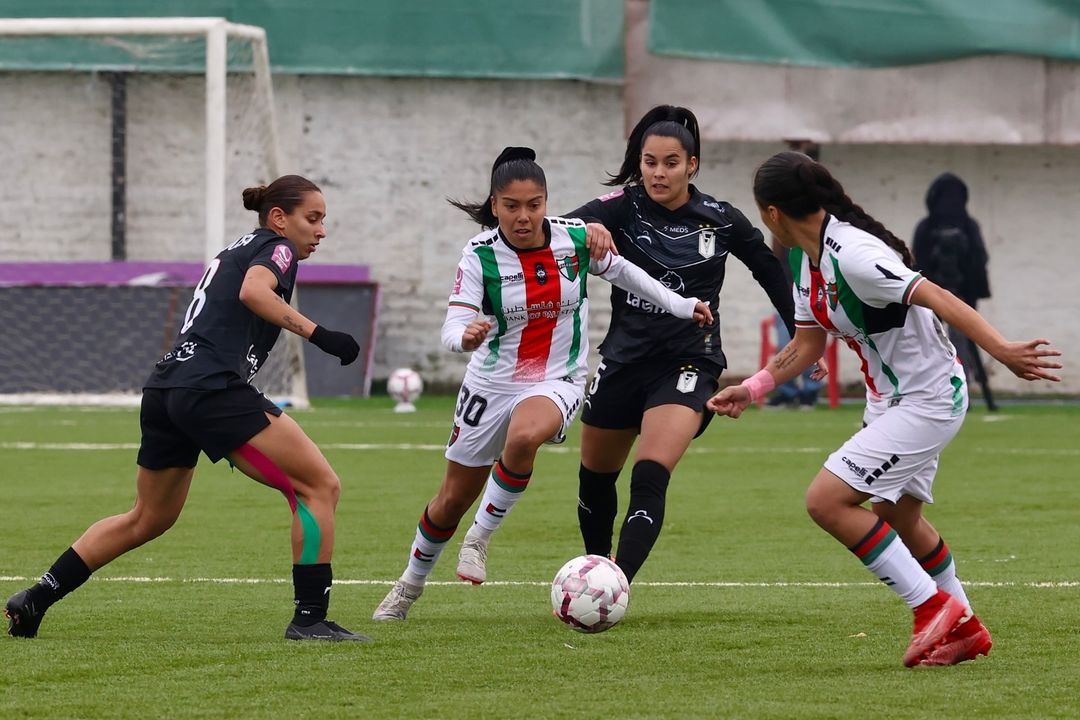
[949, 250]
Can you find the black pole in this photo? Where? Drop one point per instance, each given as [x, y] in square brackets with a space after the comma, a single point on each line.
[118, 82]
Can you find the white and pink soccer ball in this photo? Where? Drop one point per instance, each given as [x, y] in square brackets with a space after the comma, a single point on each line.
[590, 593]
[405, 386]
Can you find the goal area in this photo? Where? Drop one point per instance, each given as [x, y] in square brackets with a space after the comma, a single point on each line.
[138, 136]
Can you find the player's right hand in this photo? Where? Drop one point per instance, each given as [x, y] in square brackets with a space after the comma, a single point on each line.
[730, 401]
[703, 314]
[339, 344]
[475, 333]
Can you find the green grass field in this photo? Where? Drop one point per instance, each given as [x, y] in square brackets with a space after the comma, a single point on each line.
[744, 610]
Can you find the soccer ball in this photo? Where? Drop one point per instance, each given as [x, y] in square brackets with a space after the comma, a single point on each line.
[590, 593]
[405, 386]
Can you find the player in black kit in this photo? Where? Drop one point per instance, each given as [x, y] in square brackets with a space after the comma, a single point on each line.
[199, 398]
[657, 372]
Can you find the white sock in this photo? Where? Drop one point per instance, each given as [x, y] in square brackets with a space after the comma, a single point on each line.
[504, 488]
[942, 568]
[885, 555]
[426, 549]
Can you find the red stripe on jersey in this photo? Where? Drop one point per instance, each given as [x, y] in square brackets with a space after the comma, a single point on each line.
[819, 306]
[543, 300]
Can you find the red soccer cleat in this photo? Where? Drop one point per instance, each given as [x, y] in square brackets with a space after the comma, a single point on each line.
[966, 641]
[934, 619]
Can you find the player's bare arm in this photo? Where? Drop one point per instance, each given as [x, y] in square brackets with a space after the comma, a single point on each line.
[803, 350]
[1025, 359]
[257, 294]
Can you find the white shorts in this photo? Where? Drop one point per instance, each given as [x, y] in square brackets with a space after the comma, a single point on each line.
[895, 454]
[482, 417]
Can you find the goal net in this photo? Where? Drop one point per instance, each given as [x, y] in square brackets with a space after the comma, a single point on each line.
[128, 142]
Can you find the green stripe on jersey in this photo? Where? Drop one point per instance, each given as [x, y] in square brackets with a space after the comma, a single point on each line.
[794, 258]
[493, 291]
[577, 234]
[853, 308]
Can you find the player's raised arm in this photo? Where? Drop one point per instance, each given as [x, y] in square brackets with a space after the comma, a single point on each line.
[1025, 359]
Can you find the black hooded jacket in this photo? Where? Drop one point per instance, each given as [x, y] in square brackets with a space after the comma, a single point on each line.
[946, 202]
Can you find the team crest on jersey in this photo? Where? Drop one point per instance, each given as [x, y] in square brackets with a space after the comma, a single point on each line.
[706, 242]
[833, 294]
[569, 266]
[457, 280]
[687, 381]
[454, 435]
[541, 274]
[282, 257]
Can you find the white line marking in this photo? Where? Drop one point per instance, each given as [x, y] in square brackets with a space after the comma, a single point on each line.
[560, 449]
[537, 583]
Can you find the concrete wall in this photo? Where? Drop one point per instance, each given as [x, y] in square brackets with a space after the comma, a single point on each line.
[387, 153]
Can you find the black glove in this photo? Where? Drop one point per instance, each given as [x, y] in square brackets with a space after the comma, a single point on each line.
[335, 343]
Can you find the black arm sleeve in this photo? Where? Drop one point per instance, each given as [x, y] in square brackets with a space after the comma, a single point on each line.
[749, 246]
[608, 213]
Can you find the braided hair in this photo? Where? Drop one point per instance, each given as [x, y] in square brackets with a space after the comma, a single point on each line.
[666, 121]
[513, 163]
[799, 186]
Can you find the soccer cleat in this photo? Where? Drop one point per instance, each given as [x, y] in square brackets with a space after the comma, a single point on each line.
[23, 618]
[934, 619]
[967, 641]
[472, 559]
[322, 630]
[396, 604]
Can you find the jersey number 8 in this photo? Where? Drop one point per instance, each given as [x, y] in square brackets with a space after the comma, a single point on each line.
[198, 299]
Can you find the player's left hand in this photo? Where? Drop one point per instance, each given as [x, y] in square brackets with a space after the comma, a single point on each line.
[1027, 360]
[703, 314]
[821, 370]
[599, 242]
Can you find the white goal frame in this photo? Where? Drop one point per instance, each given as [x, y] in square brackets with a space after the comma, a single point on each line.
[217, 32]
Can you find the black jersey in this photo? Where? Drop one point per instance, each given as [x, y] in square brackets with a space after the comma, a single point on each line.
[221, 340]
[685, 249]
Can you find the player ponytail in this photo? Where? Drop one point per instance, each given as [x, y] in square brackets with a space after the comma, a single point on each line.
[798, 187]
[665, 121]
[287, 192]
[513, 163]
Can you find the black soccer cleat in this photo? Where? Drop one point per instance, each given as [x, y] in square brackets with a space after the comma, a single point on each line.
[322, 630]
[23, 618]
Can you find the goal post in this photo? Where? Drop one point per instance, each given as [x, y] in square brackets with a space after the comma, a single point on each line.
[240, 148]
[217, 32]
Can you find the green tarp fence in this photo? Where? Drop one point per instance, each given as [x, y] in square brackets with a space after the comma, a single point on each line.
[863, 33]
[455, 38]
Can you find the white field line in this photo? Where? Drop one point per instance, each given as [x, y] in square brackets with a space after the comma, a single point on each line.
[537, 583]
[559, 449]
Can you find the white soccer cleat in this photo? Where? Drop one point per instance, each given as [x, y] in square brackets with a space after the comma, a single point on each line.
[472, 559]
[396, 604]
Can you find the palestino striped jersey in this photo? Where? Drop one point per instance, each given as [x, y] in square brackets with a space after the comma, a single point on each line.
[537, 303]
[861, 292]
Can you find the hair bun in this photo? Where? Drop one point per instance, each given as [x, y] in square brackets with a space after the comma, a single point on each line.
[253, 197]
[513, 153]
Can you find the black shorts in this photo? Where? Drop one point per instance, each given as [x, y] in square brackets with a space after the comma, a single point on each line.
[179, 422]
[620, 394]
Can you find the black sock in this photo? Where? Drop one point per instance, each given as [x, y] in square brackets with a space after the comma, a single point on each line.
[644, 515]
[598, 502]
[66, 574]
[311, 592]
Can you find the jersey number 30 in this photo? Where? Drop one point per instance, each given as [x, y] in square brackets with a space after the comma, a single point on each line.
[198, 299]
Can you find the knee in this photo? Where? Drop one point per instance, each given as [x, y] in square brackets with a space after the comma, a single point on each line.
[147, 526]
[326, 488]
[649, 478]
[821, 509]
[522, 444]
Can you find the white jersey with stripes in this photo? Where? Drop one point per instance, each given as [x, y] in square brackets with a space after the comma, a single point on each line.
[861, 292]
[537, 302]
